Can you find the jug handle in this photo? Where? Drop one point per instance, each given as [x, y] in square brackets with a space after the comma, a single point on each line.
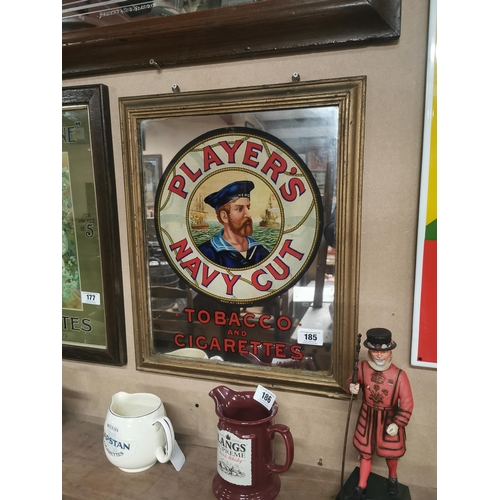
[163, 455]
[287, 436]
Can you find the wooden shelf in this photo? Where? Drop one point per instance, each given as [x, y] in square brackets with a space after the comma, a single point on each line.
[87, 473]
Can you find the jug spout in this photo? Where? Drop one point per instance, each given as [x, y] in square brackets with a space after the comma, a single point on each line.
[221, 395]
[119, 397]
[118, 402]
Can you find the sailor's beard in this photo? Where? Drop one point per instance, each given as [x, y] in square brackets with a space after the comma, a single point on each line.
[243, 228]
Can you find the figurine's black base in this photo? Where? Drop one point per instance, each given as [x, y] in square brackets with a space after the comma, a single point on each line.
[376, 488]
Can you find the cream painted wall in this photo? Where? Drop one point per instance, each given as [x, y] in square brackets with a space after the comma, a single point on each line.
[393, 144]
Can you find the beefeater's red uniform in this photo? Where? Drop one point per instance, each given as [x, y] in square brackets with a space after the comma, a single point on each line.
[387, 399]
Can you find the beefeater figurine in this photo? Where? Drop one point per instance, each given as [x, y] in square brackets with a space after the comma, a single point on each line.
[385, 411]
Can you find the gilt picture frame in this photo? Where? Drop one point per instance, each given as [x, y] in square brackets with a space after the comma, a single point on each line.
[300, 339]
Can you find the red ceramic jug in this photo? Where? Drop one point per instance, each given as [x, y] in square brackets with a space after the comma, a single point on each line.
[245, 470]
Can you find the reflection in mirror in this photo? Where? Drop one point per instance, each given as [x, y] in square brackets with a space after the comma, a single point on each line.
[183, 318]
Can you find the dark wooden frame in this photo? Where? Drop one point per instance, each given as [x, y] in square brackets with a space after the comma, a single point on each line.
[96, 97]
[273, 27]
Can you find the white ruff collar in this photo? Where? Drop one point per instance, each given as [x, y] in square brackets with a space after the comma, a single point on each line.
[378, 368]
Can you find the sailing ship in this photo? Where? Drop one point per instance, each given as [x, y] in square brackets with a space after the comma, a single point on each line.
[198, 215]
[270, 215]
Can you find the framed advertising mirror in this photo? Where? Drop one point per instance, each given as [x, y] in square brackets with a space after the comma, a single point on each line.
[235, 275]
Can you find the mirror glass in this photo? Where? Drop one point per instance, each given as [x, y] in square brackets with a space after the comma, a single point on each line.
[245, 334]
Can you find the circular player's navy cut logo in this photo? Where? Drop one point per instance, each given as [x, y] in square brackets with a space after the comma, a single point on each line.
[238, 215]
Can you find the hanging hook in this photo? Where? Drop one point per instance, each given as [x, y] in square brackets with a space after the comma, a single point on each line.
[154, 63]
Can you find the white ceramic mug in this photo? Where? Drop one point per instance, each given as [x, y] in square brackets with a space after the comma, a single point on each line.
[137, 432]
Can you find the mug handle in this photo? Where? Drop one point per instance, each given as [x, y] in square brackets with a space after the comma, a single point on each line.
[287, 436]
[162, 455]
